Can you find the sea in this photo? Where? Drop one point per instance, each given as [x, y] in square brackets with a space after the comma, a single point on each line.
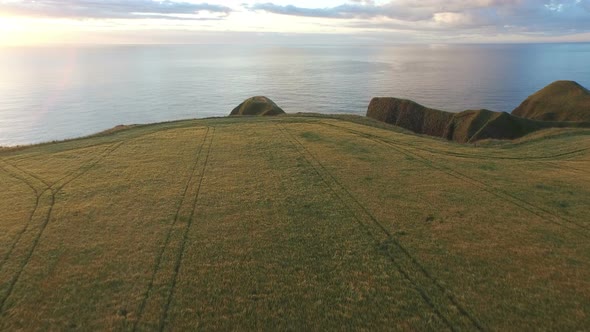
[56, 93]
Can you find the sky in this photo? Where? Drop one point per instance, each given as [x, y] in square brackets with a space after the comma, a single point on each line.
[30, 22]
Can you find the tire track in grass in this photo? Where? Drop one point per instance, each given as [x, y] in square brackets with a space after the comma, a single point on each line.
[18, 172]
[43, 218]
[505, 196]
[107, 145]
[171, 287]
[41, 214]
[50, 186]
[571, 169]
[473, 156]
[109, 139]
[477, 157]
[158, 262]
[46, 184]
[26, 224]
[38, 194]
[438, 298]
[540, 212]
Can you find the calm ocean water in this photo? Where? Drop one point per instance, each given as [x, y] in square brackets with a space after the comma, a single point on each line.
[57, 93]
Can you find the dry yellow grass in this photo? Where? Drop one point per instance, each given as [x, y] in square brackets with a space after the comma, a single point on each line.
[304, 223]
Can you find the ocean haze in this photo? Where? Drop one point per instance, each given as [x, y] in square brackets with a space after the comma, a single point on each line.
[57, 93]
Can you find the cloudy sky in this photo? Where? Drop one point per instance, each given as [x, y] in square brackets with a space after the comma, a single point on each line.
[301, 21]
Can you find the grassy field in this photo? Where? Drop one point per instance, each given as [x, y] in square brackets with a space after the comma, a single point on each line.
[295, 223]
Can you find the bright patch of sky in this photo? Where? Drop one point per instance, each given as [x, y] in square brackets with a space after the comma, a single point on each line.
[301, 21]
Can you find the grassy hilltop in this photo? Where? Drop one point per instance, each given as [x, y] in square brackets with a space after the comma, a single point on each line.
[561, 104]
[295, 222]
[559, 101]
[463, 127]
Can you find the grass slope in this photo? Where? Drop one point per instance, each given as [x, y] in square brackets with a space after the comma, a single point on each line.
[463, 127]
[409, 115]
[259, 105]
[559, 101]
[295, 222]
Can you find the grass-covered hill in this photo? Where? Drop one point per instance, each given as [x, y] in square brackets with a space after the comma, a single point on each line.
[295, 223]
[259, 105]
[463, 127]
[410, 115]
[476, 125]
[559, 101]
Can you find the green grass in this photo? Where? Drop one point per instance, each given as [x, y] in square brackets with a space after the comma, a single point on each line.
[468, 126]
[558, 101]
[257, 106]
[295, 223]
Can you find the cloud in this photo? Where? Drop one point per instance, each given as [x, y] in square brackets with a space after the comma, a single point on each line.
[361, 9]
[111, 9]
[366, 2]
[551, 16]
